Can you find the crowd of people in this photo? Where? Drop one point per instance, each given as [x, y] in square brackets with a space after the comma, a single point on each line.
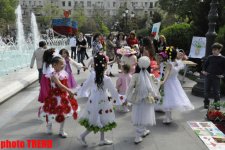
[148, 73]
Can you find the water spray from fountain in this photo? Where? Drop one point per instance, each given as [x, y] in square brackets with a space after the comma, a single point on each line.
[20, 32]
[35, 31]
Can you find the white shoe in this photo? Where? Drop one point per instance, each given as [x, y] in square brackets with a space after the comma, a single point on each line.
[105, 142]
[126, 110]
[63, 134]
[49, 128]
[138, 140]
[167, 121]
[145, 133]
[82, 141]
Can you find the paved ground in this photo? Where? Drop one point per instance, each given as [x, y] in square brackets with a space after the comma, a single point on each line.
[19, 121]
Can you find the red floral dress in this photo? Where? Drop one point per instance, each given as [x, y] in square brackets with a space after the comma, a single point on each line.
[59, 105]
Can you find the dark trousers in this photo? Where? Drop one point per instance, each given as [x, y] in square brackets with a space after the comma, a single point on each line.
[80, 56]
[86, 54]
[73, 52]
[214, 83]
[39, 75]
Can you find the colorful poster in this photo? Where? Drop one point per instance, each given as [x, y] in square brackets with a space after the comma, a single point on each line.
[198, 47]
[212, 137]
[155, 29]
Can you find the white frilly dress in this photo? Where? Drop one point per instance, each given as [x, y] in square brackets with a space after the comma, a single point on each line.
[143, 113]
[174, 95]
[98, 114]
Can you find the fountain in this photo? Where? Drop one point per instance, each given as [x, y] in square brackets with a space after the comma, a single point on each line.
[14, 56]
[35, 32]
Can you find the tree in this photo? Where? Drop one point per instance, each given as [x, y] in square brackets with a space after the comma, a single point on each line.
[7, 13]
[48, 12]
[193, 12]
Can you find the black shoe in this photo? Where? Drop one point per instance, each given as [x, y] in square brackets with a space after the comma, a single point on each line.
[206, 106]
[111, 75]
[217, 107]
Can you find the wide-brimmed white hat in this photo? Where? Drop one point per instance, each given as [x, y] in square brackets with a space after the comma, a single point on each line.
[126, 50]
[144, 62]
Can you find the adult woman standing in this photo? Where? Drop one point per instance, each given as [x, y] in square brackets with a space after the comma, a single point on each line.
[81, 50]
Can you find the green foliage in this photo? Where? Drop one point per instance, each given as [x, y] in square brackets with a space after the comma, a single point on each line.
[221, 38]
[178, 35]
[49, 12]
[7, 14]
[95, 129]
[143, 32]
[157, 17]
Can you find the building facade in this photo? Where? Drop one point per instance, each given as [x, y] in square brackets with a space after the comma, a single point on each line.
[109, 7]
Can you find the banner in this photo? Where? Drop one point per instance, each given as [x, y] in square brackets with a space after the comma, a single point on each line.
[198, 47]
[74, 25]
[155, 29]
[61, 22]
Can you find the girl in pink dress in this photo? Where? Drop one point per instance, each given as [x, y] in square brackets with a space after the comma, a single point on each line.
[122, 84]
[68, 61]
[45, 79]
[60, 102]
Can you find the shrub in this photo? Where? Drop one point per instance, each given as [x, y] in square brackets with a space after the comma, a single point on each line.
[179, 35]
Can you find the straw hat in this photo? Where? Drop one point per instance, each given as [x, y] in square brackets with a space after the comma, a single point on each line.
[126, 50]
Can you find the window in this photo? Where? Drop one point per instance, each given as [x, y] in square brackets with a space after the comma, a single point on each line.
[88, 3]
[29, 2]
[146, 4]
[63, 3]
[34, 3]
[39, 2]
[69, 3]
[151, 13]
[75, 3]
[151, 5]
[81, 3]
[114, 4]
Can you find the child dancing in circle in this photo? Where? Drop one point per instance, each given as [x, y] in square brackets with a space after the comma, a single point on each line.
[142, 92]
[99, 114]
[60, 102]
[122, 84]
[174, 95]
[65, 54]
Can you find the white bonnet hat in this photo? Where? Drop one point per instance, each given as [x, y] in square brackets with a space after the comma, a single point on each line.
[144, 62]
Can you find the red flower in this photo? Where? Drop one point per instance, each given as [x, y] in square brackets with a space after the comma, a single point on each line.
[53, 102]
[75, 115]
[59, 109]
[106, 111]
[46, 108]
[64, 82]
[121, 98]
[64, 101]
[52, 110]
[66, 109]
[57, 91]
[74, 104]
[110, 110]
[60, 118]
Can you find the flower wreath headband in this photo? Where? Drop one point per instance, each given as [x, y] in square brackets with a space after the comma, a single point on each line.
[106, 58]
[169, 51]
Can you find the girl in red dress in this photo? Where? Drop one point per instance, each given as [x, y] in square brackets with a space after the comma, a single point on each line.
[60, 102]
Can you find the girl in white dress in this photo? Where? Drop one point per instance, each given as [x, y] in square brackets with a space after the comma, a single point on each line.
[174, 95]
[98, 115]
[142, 92]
